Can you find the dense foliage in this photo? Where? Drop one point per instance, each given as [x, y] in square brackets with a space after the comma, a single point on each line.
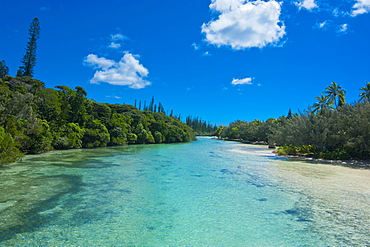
[340, 134]
[34, 119]
[250, 131]
[200, 126]
[330, 129]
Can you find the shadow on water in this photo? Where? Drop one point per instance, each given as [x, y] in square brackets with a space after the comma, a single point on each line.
[24, 212]
[300, 213]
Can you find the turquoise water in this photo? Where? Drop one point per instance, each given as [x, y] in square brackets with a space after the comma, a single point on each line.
[205, 193]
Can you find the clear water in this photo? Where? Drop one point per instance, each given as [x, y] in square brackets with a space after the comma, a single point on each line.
[205, 193]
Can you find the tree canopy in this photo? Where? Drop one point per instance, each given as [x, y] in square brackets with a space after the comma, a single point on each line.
[35, 119]
[329, 129]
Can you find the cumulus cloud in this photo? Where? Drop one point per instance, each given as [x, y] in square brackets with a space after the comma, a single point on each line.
[127, 72]
[245, 81]
[99, 62]
[242, 24]
[307, 4]
[361, 7]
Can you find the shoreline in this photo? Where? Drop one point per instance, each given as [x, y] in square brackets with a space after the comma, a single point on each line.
[349, 163]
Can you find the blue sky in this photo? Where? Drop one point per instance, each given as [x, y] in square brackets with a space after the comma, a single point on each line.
[221, 60]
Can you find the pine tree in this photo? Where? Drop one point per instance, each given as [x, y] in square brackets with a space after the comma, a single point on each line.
[155, 108]
[290, 114]
[151, 106]
[29, 59]
[4, 70]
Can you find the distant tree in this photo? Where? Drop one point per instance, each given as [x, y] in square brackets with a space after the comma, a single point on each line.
[335, 91]
[290, 115]
[365, 94]
[160, 108]
[151, 105]
[4, 70]
[155, 108]
[29, 59]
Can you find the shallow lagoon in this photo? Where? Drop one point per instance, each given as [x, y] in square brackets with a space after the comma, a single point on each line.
[204, 193]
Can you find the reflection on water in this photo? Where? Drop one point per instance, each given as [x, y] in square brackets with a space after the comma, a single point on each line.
[206, 193]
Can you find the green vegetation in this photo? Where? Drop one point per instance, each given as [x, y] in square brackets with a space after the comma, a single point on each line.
[35, 119]
[330, 129]
[200, 126]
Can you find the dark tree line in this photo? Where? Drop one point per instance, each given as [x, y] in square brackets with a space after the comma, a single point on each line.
[200, 126]
[152, 107]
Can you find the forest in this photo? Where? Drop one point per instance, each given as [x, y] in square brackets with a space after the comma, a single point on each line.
[35, 119]
[329, 129]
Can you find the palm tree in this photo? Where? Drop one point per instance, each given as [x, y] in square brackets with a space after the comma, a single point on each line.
[365, 95]
[333, 92]
[322, 104]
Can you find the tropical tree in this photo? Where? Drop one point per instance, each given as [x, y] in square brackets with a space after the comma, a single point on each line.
[29, 59]
[365, 94]
[321, 104]
[334, 92]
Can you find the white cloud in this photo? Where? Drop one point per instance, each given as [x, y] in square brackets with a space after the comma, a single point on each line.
[99, 62]
[127, 72]
[115, 45]
[117, 40]
[242, 24]
[116, 97]
[307, 4]
[322, 24]
[195, 46]
[361, 7]
[117, 37]
[225, 5]
[245, 81]
[343, 28]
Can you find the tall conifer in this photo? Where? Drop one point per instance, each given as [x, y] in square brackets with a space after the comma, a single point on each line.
[29, 59]
[4, 70]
